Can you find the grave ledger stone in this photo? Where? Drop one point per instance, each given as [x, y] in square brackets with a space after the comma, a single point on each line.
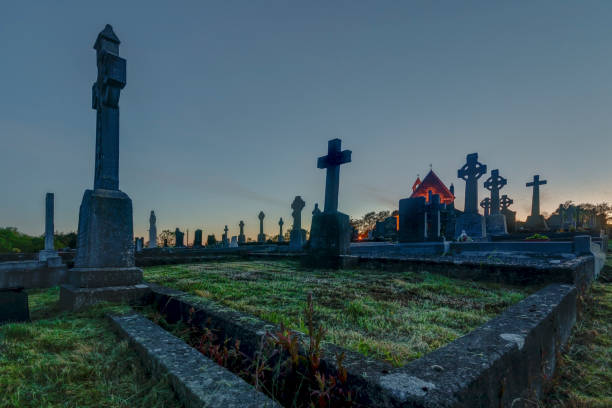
[330, 233]
[471, 221]
[104, 264]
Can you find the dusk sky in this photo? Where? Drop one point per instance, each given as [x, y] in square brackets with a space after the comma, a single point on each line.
[228, 104]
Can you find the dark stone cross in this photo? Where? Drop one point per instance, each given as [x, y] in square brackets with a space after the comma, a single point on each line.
[486, 205]
[335, 157]
[535, 199]
[494, 184]
[261, 237]
[505, 202]
[241, 237]
[297, 206]
[471, 172]
[105, 100]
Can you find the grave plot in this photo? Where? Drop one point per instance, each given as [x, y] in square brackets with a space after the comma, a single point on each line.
[394, 317]
[73, 359]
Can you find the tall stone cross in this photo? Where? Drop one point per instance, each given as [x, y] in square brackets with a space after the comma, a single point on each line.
[471, 172]
[494, 184]
[297, 206]
[241, 237]
[332, 162]
[486, 205]
[505, 202]
[226, 230]
[105, 100]
[261, 237]
[535, 198]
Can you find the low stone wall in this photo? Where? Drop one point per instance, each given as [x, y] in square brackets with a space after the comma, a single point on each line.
[505, 362]
[197, 380]
[31, 274]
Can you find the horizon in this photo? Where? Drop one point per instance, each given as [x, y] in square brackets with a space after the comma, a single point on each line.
[212, 135]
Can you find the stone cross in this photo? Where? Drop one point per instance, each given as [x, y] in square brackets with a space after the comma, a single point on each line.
[225, 237]
[486, 205]
[152, 230]
[105, 100]
[494, 184]
[505, 202]
[471, 172]
[335, 157]
[535, 199]
[280, 234]
[297, 206]
[241, 237]
[261, 237]
[49, 228]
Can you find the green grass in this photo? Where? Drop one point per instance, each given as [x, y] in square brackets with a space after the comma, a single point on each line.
[396, 317]
[584, 378]
[65, 359]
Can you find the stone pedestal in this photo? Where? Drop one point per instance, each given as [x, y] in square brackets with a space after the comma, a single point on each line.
[472, 223]
[330, 237]
[536, 223]
[496, 225]
[14, 306]
[297, 239]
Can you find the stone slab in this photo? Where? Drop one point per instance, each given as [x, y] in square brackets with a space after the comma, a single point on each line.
[103, 277]
[496, 225]
[473, 224]
[197, 380]
[14, 306]
[73, 298]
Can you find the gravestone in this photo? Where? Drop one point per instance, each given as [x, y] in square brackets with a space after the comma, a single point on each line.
[152, 230]
[165, 242]
[510, 215]
[14, 306]
[224, 238]
[433, 217]
[298, 235]
[211, 241]
[241, 237]
[234, 242]
[261, 237]
[49, 254]
[412, 219]
[281, 238]
[471, 221]
[197, 238]
[179, 238]
[330, 233]
[496, 221]
[485, 203]
[139, 244]
[104, 264]
[316, 210]
[536, 222]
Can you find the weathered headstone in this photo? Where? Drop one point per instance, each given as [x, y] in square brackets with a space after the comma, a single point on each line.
[496, 221]
[234, 242]
[281, 238]
[179, 238]
[485, 203]
[197, 238]
[261, 237]
[152, 230]
[49, 254]
[330, 233]
[505, 202]
[298, 235]
[224, 237]
[241, 237]
[104, 264]
[211, 241]
[536, 222]
[412, 219]
[471, 221]
[14, 306]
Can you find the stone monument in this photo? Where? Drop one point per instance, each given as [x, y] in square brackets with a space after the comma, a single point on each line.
[197, 238]
[179, 238]
[316, 209]
[496, 221]
[471, 221]
[49, 254]
[234, 242]
[104, 264]
[297, 236]
[485, 203]
[281, 238]
[536, 222]
[330, 233]
[505, 203]
[224, 237]
[412, 219]
[261, 237]
[152, 230]
[241, 237]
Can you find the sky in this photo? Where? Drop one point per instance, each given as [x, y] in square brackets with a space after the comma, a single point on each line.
[228, 104]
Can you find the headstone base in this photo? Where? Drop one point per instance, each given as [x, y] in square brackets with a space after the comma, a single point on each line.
[14, 306]
[261, 238]
[473, 225]
[330, 237]
[297, 239]
[73, 298]
[536, 223]
[496, 225]
[104, 277]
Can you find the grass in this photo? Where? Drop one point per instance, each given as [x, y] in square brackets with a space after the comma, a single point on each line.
[396, 317]
[584, 377]
[65, 359]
